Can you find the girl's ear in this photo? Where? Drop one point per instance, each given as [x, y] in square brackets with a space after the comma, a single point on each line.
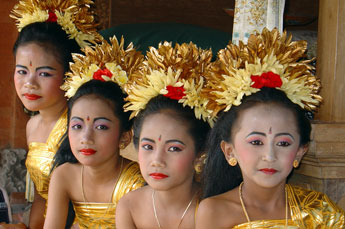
[301, 151]
[125, 139]
[227, 149]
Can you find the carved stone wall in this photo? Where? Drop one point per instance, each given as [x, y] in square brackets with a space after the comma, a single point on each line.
[12, 170]
[323, 167]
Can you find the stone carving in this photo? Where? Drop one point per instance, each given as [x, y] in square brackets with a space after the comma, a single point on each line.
[12, 170]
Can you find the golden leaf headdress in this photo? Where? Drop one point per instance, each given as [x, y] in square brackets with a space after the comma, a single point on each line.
[269, 59]
[175, 72]
[74, 16]
[103, 62]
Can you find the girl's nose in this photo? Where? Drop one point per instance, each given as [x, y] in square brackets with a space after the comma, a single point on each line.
[87, 137]
[270, 154]
[158, 159]
[31, 82]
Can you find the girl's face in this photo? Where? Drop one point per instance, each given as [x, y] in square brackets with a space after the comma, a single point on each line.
[265, 143]
[166, 152]
[94, 131]
[38, 77]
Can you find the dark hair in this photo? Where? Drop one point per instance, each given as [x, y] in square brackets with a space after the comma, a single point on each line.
[111, 93]
[52, 38]
[219, 176]
[198, 129]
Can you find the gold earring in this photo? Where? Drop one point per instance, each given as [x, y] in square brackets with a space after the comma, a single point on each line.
[122, 145]
[198, 168]
[295, 164]
[199, 163]
[232, 161]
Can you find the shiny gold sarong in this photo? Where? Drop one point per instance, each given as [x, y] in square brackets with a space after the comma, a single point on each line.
[40, 157]
[102, 215]
[309, 209]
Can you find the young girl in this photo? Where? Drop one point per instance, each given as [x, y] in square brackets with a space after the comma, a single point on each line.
[96, 176]
[169, 138]
[262, 134]
[42, 54]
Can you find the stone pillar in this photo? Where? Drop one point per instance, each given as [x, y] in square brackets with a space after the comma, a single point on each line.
[323, 168]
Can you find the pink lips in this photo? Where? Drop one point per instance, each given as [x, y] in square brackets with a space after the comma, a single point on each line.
[268, 171]
[32, 96]
[87, 152]
[158, 176]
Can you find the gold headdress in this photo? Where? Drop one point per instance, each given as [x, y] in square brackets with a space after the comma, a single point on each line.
[268, 60]
[103, 62]
[175, 72]
[74, 16]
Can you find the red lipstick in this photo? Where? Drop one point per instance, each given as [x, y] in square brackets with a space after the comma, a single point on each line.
[87, 152]
[32, 96]
[268, 171]
[158, 176]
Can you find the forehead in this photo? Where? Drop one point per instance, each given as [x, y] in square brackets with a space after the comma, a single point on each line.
[164, 123]
[36, 53]
[263, 117]
[92, 106]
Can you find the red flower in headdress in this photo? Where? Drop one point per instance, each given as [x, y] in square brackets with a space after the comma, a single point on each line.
[52, 17]
[175, 92]
[267, 79]
[102, 72]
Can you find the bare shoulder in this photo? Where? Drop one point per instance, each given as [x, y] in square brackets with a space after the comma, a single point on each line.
[133, 198]
[221, 211]
[66, 172]
[136, 201]
[131, 208]
[214, 205]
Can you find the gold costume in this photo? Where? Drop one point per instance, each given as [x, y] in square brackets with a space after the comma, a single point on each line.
[102, 215]
[40, 157]
[308, 209]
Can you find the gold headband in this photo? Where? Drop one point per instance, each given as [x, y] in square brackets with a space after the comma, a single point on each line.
[175, 72]
[105, 62]
[268, 60]
[74, 16]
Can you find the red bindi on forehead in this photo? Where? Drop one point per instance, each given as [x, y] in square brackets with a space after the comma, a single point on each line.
[87, 118]
[160, 138]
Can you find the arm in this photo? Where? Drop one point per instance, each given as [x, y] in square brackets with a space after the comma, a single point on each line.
[123, 216]
[58, 200]
[36, 219]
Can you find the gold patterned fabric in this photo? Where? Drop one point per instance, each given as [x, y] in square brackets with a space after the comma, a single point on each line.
[252, 16]
[309, 209]
[102, 215]
[40, 157]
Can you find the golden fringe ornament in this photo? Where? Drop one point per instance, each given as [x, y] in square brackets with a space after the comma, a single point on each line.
[74, 16]
[268, 60]
[105, 61]
[175, 72]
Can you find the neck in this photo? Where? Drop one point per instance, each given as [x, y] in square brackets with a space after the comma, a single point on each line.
[176, 197]
[261, 197]
[53, 113]
[105, 172]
